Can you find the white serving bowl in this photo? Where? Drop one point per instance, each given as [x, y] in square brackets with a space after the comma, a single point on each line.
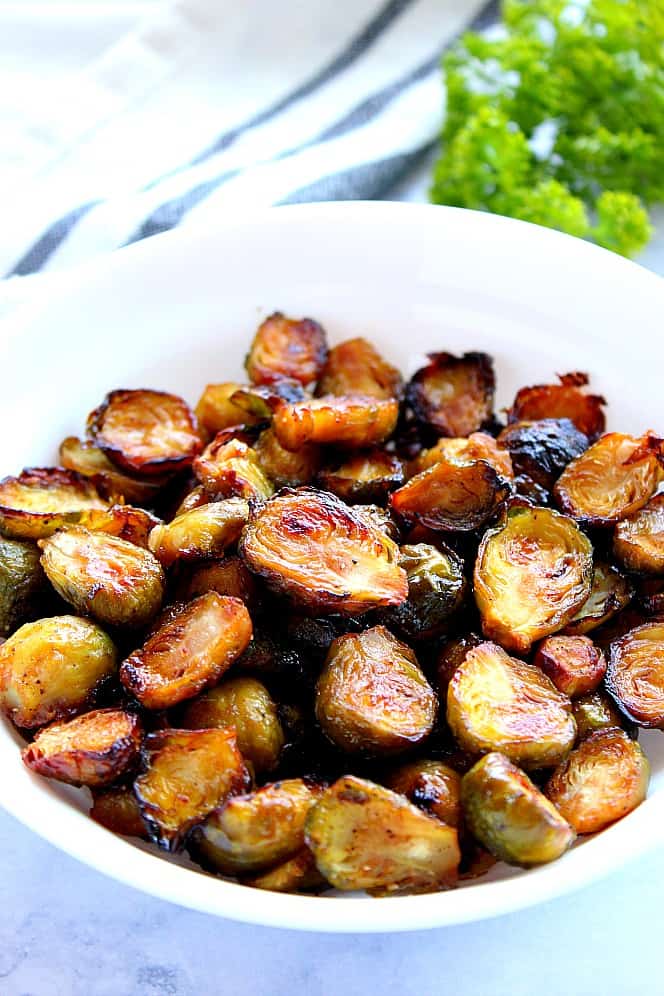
[177, 312]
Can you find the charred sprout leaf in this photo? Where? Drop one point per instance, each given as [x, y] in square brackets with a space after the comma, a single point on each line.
[43, 499]
[189, 653]
[296, 874]
[638, 541]
[510, 816]
[355, 367]
[93, 749]
[87, 459]
[262, 400]
[52, 669]
[229, 576]
[541, 450]
[216, 411]
[285, 468]
[314, 548]
[124, 521]
[372, 696]
[114, 581]
[452, 496]
[533, 572]
[21, 583]
[452, 654]
[594, 712]
[436, 591]
[431, 786]
[614, 478]
[231, 470]
[354, 421]
[200, 534]
[364, 836]
[635, 674]
[566, 400]
[453, 394]
[287, 348]
[188, 773]
[573, 663]
[477, 446]
[601, 781]
[364, 477]
[610, 593]
[117, 810]
[245, 704]
[498, 703]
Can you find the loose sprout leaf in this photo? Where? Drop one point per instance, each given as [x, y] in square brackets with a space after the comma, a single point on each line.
[231, 470]
[287, 348]
[124, 521]
[453, 394]
[635, 674]
[217, 411]
[262, 400]
[573, 663]
[355, 367]
[113, 484]
[566, 400]
[451, 496]
[432, 786]
[609, 594]
[542, 449]
[364, 477]
[638, 541]
[476, 446]
[354, 421]
[200, 533]
[43, 499]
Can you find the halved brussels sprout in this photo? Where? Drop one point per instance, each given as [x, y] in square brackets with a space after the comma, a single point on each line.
[93, 749]
[453, 394]
[289, 348]
[296, 874]
[510, 816]
[114, 581]
[477, 446]
[231, 470]
[573, 663]
[431, 786]
[117, 810]
[364, 836]
[452, 496]
[371, 696]
[311, 546]
[262, 400]
[612, 479]
[436, 591]
[22, 582]
[145, 432]
[111, 483]
[594, 712]
[200, 534]
[53, 668]
[246, 704]
[638, 541]
[355, 367]
[216, 411]
[229, 576]
[541, 450]
[355, 421]
[635, 674]
[124, 521]
[602, 780]
[43, 499]
[189, 653]
[188, 773]
[452, 654]
[609, 594]
[364, 477]
[498, 703]
[532, 573]
[563, 400]
[287, 469]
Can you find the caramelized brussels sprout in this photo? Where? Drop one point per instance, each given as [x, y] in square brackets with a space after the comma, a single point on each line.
[635, 674]
[594, 712]
[355, 367]
[246, 704]
[477, 446]
[573, 663]
[452, 496]
[510, 816]
[602, 780]
[612, 479]
[311, 546]
[533, 572]
[189, 653]
[498, 703]
[638, 541]
[231, 470]
[111, 483]
[355, 421]
[21, 582]
[364, 477]
[52, 669]
[372, 696]
[43, 499]
[117, 810]
[436, 590]
[453, 394]
[609, 594]
[216, 411]
[364, 836]
[114, 581]
[287, 348]
[563, 400]
[541, 450]
[188, 773]
[287, 469]
[145, 432]
[431, 786]
[93, 749]
[229, 576]
[296, 874]
[450, 657]
[124, 521]
[200, 534]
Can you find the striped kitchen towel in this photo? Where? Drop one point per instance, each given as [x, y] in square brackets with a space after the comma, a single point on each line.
[210, 106]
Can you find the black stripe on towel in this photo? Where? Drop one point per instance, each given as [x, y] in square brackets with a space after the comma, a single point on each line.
[47, 243]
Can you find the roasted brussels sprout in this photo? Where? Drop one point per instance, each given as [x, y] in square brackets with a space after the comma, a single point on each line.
[231, 470]
[498, 703]
[189, 653]
[200, 534]
[452, 496]
[355, 367]
[564, 400]
[510, 816]
[436, 590]
[532, 573]
[635, 674]
[285, 468]
[602, 780]
[638, 541]
[21, 582]
[296, 874]
[573, 663]
[188, 773]
[229, 576]
[453, 394]
[117, 809]
[372, 696]
[43, 499]
[93, 749]
[450, 657]
[216, 411]
[477, 446]
[262, 400]
[314, 548]
[354, 421]
[246, 704]
[364, 836]
[378, 518]
[287, 348]
[610, 592]
[364, 477]
[124, 521]
[541, 450]
[258, 830]
[431, 786]
[612, 479]
[52, 669]
[111, 483]
[114, 581]
[594, 712]
[145, 432]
